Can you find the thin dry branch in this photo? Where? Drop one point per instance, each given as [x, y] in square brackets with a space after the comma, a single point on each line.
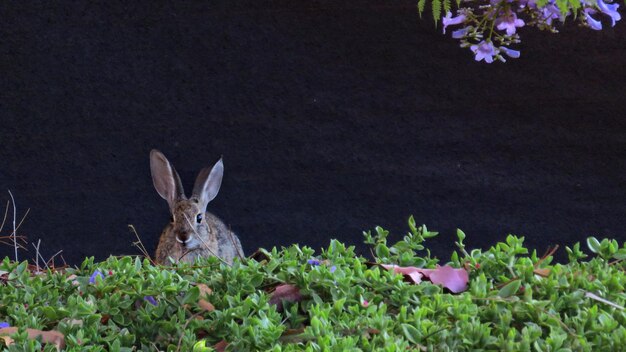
[139, 244]
[180, 340]
[10, 241]
[22, 220]
[232, 240]
[600, 299]
[51, 260]
[6, 213]
[37, 255]
[14, 228]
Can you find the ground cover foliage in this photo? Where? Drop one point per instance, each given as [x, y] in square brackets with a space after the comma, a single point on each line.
[295, 299]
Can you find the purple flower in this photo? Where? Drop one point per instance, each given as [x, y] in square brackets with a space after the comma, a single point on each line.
[593, 24]
[332, 269]
[528, 3]
[460, 33]
[314, 262]
[92, 278]
[510, 52]
[451, 21]
[4, 324]
[509, 22]
[550, 12]
[484, 50]
[611, 10]
[150, 299]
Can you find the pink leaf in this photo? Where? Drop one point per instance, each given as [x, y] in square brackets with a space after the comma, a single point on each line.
[451, 278]
[411, 272]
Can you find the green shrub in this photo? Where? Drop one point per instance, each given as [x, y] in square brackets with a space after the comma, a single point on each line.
[515, 301]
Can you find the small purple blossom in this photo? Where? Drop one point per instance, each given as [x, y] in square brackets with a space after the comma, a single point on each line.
[332, 269]
[551, 12]
[460, 33]
[150, 299]
[528, 3]
[92, 278]
[510, 52]
[593, 23]
[4, 324]
[610, 10]
[484, 50]
[451, 21]
[313, 262]
[509, 22]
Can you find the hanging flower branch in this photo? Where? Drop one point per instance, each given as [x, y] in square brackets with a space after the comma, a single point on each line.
[489, 27]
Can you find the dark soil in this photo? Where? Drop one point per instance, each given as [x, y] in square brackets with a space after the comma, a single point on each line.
[332, 118]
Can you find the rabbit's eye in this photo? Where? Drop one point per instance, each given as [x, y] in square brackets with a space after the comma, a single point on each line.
[199, 218]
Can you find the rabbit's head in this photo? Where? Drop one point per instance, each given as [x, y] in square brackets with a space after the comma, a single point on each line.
[188, 223]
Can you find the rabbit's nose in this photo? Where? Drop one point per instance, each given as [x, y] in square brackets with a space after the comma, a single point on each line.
[183, 241]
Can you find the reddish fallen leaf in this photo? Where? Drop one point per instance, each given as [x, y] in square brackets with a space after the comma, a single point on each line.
[48, 337]
[8, 341]
[260, 255]
[205, 291]
[454, 279]
[221, 346]
[545, 272]
[285, 292]
[206, 305]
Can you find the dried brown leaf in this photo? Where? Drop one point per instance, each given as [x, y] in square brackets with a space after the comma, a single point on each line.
[285, 292]
[221, 346]
[206, 305]
[48, 337]
[545, 272]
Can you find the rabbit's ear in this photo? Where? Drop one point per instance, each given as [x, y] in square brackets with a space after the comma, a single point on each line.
[165, 178]
[208, 183]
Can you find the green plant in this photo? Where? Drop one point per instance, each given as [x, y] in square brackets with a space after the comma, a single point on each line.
[336, 301]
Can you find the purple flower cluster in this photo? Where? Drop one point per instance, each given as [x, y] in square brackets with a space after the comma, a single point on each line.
[488, 30]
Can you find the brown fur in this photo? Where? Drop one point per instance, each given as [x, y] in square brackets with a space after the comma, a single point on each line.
[184, 239]
[219, 240]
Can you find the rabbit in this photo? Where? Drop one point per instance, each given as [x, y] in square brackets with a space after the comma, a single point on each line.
[192, 232]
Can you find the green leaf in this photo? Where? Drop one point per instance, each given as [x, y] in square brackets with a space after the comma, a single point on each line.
[593, 244]
[382, 251]
[461, 235]
[411, 333]
[201, 346]
[563, 6]
[49, 313]
[436, 8]
[412, 225]
[192, 296]
[510, 289]
[620, 254]
[420, 6]
[446, 6]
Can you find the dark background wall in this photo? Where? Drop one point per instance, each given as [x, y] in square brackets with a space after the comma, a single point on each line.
[332, 118]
